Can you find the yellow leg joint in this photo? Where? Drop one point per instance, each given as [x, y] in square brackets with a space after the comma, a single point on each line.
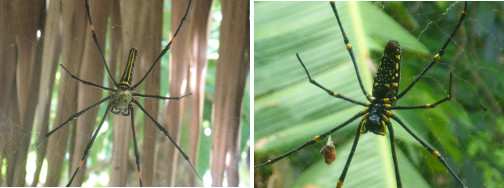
[428, 106]
[368, 104]
[372, 99]
[384, 129]
[362, 126]
[385, 118]
[387, 106]
[335, 94]
[339, 184]
[317, 138]
[365, 116]
[348, 46]
[435, 153]
[437, 57]
[385, 100]
[388, 113]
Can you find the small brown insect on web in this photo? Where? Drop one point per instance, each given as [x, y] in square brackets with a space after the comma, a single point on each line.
[328, 151]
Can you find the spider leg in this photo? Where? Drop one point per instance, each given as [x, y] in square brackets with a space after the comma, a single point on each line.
[168, 46]
[312, 141]
[427, 106]
[98, 44]
[394, 156]
[169, 137]
[437, 56]
[89, 145]
[350, 156]
[137, 156]
[85, 82]
[430, 149]
[349, 49]
[71, 118]
[335, 94]
[160, 97]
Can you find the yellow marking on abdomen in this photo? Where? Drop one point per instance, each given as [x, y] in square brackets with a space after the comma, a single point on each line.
[128, 72]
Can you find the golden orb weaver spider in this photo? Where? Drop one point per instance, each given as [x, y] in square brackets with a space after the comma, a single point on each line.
[122, 98]
[377, 115]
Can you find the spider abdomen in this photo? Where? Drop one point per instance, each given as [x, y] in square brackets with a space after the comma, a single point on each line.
[127, 76]
[386, 82]
[122, 100]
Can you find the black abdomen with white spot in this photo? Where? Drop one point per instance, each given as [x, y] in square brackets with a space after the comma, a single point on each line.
[386, 82]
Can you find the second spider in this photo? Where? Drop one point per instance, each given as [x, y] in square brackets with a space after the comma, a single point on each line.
[377, 113]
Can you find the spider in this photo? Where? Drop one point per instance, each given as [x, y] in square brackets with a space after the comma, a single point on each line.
[377, 115]
[122, 98]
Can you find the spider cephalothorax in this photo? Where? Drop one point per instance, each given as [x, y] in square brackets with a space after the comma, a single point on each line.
[375, 119]
[121, 101]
